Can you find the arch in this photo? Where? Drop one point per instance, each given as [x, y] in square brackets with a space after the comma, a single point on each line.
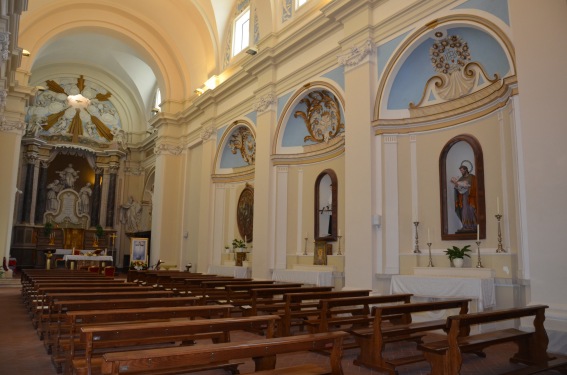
[223, 148]
[474, 104]
[463, 151]
[311, 149]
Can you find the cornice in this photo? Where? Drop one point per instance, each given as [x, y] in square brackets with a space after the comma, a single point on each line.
[242, 174]
[459, 111]
[313, 154]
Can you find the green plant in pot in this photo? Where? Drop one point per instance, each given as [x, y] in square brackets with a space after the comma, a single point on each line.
[457, 254]
[99, 232]
[238, 244]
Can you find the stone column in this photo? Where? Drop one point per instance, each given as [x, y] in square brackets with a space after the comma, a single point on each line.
[25, 216]
[41, 193]
[111, 196]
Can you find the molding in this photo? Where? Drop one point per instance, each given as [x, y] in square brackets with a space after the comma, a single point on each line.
[16, 127]
[357, 54]
[265, 103]
[168, 149]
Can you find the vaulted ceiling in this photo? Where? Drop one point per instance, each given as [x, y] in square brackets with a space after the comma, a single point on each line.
[131, 47]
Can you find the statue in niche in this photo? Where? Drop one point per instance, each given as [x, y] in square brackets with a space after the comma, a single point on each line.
[52, 190]
[85, 198]
[68, 176]
[130, 213]
[465, 197]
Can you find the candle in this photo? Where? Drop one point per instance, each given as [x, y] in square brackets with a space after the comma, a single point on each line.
[245, 239]
[306, 234]
[428, 235]
[477, 232]
[339, 232]
[498, 205]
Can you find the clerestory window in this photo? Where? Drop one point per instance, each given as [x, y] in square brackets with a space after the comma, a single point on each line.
[241, 38]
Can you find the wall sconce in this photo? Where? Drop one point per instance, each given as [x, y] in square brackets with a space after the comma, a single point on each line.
[156, 110]
[199, 91]
[25, 52]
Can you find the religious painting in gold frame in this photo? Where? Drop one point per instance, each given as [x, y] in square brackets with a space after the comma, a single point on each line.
[245, 213]
[139, 249]
[320, 253]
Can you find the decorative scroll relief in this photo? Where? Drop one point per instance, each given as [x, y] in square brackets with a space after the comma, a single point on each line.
[4, 45]
[457, 74]
[206, 133]
[323, 116]
[243, 141]
[264, 103]
[3, 96]
[356, 54]
[165, 149]
[18, 127]
[133, 171]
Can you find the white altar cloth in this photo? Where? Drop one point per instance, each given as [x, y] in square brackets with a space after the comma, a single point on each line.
[480, 289]
[100, 258]
[236, 271]
[319, 278]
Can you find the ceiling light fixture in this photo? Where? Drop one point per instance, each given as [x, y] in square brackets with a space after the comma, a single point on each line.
[25, 52]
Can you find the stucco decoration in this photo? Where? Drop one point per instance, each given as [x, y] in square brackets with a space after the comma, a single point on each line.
[4, 45]
[242, 141]
[167, 149]
[17, 127]
[75, 110]
[264, 103]
[206, 133]
[356, 54]
[322, 118]
[457, 74]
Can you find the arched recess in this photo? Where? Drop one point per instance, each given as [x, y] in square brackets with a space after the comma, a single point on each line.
[478, 80]
[311, 125]
[236, 152]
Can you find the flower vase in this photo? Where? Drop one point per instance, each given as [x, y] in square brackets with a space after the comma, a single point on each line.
[458, 262]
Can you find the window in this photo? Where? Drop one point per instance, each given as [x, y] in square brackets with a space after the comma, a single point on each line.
[299, 3]
[241, 38]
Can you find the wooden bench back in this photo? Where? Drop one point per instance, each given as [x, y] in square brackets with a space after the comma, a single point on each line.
[406, 310]
[357, 306]
[294, 299]
[263, 351]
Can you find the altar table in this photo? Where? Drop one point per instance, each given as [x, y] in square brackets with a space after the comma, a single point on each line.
[236, 271]
[481, 290]
[94, 258]
[319, 278]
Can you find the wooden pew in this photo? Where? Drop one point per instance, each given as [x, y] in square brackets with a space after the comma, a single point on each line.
[40, 309]
[270, 300]
[302, 306]
[76, 319]
[445, 356]
[372, 340]
[263, 352]
[99, 339]
[61, 307]
[351, 311]
[240, 295]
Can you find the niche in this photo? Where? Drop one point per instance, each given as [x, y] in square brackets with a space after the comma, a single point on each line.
[326, 206]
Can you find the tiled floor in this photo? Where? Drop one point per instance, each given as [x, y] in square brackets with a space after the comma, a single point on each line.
[21, 352]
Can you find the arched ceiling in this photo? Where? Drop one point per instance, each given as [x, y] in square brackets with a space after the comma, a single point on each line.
[129, 46]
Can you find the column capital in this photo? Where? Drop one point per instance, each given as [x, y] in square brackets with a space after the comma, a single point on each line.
[18, 127]
[265, 103]
[356, 54]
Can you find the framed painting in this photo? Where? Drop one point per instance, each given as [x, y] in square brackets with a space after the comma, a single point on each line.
[320, 253]
[139, 250]
[461, 179]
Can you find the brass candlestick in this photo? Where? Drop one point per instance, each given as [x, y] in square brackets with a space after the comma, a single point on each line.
[416, 249]
[305, 247]
[339, 252]
[479, 263]
[430, 259]
[500, 249]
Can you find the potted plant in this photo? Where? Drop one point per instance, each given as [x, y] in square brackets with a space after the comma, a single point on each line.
[457, 254]
[238, 244]
[99, 232]
[48, 232]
